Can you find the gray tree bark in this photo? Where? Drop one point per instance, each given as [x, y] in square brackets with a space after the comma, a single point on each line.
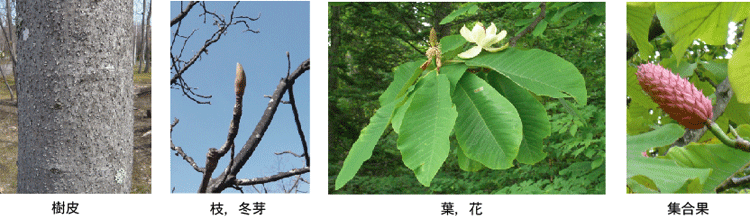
[75, 99]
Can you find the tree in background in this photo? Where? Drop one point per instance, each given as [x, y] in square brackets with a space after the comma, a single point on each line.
[9, 36]
[75, 102]
[143, 39]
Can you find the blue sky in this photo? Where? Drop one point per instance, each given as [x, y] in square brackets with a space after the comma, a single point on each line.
[283, 26]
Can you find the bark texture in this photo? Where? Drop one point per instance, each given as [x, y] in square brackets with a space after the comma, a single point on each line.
[75, 105]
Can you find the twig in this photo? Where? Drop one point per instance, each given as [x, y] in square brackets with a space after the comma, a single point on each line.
[267, 179]
[212, 159]
[179, 152]
[741, 180]
[731, 181]
[182, 14]
[288, 152]
[542, 14]
[180, 66]
[299, 126]
[216, 185]
[296, 116]
[738, 143]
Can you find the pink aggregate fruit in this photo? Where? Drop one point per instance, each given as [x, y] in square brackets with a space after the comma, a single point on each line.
[676, 96]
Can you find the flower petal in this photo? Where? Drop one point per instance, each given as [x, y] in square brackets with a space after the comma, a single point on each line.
[491, 40]
[490, 49]
[478, 33]
[488, 40]
[501, 35]
[492, 29]
[471, 53]
[466, 33]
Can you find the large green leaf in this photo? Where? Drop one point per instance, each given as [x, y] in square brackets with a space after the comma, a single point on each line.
[639, 117]
[401, 75]
[639, 18]
[488, 129]
[562, 12]
[534, 118]
[664, 135]
[667, 176]
[451, 46]
[717, 68]
[723, 160]
[362, 149]
[739, 11]
[540, 28]
[678, 171]
[682, 68]
[659, 174]
[538, 71]
[468, 9]
[738, 112]
[398, 113]
[466, 163]
[739, 70]
[427, 124]
[641, 184]
[708, 21]
[454, 73]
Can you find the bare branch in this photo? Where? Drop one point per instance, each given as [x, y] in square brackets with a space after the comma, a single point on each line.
[288, 152]
[542, 14]
[179, 152]
[299, 126]
[731, 181]
[296, 115]
[212, 159]
[182, 14]
[226, 179]
[180, 66]
[267, 179]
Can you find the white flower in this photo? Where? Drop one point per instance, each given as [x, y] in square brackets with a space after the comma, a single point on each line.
[483, 38]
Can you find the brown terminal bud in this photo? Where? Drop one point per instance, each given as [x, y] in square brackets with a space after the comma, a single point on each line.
[239, 81]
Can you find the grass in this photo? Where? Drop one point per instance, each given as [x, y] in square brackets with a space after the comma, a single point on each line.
[142, 144]
[4, 94]
[8, 145]
[142, 78]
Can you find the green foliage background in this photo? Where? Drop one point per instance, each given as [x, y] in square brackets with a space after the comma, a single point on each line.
[367, 40]
[693, 40]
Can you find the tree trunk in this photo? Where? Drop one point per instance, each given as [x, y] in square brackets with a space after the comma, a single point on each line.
[75, 101]
[12, 42]
[147, 40]
[142, 42]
